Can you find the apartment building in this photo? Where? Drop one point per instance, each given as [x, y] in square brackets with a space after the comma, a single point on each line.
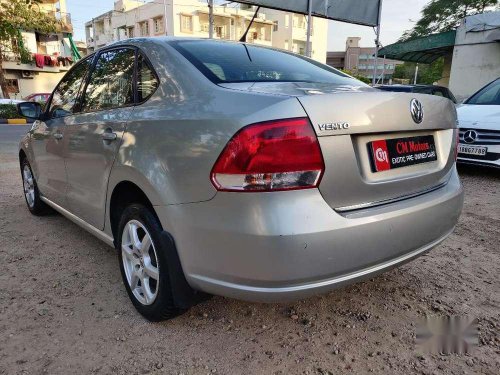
[190, 18]
[49, 57]
[290, 33]
[361, 60]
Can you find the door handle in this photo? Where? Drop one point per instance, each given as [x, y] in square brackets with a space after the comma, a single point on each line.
[109, 136]
[58, 136]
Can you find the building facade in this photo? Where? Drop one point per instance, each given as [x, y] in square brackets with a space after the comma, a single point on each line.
[190, 18]
[50, 56]
[361, 61]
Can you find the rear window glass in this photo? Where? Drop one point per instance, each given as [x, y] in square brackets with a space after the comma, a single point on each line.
[223, 62]
[395, 88]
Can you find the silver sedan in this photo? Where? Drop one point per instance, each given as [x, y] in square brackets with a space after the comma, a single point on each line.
[227, 168]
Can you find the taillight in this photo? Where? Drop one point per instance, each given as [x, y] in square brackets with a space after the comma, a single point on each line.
[270, 156]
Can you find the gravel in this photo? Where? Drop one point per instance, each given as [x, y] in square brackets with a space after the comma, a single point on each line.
[63, 308]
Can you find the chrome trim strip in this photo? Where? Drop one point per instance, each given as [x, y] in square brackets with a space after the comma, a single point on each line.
[387, 201]
[75, 219]
[375, 269]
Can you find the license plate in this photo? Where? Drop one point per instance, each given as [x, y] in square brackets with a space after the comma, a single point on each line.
[401, 152]
[472, 150]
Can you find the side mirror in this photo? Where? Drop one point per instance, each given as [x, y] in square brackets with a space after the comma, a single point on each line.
[31, 110]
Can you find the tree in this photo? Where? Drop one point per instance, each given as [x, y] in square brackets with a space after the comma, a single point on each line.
[17, 15]
[445, 15]
[427, 73]
[357, 76]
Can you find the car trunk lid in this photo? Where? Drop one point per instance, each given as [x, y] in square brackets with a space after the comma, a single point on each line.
[347, 119]
[352, 125]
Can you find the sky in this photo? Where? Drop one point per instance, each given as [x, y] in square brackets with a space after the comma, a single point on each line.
[397, 16]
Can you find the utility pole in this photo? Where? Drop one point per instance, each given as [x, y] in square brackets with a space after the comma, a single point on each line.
[211, 19]
[309, 28]
[165, 15]
[377, 44]
[416, 75]
[383, 70]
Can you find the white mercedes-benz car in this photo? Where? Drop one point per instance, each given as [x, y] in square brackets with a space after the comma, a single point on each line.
[479, 122]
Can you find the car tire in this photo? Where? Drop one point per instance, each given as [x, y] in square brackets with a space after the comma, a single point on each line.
[31, 192]
[144, 264]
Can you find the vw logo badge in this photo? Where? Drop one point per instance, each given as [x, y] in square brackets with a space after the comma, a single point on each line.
[470, 136]
[417, 111]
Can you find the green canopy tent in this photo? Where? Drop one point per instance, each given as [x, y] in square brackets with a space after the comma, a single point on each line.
[422, 50]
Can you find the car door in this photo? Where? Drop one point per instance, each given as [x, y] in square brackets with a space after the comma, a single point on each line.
[47, 134]
[93, 139]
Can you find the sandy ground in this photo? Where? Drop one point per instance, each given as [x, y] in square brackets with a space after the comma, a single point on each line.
[63, 308]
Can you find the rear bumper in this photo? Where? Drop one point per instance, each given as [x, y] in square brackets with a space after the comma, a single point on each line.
[289, 245]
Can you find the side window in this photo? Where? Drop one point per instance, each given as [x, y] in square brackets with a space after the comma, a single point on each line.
[146, 79]
[110, 84]
[64, 99]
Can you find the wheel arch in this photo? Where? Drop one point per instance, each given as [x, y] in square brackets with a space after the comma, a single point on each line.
[127, 180]
[124, 194]
[128, 191]
[22, 156]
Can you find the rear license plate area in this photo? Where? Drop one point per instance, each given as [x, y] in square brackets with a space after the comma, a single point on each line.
[386, 154]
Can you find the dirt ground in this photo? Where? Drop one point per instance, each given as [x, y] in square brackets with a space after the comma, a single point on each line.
[63, 309]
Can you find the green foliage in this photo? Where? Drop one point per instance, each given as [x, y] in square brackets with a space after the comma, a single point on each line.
[427, 73]
[8, 111]
[445, 15]
[357, 76]
[17, 15]
[432, 72]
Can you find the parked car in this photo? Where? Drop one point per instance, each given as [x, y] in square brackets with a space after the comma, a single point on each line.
[38, 97]
[239, 170]
[420, 89]
[479, 122]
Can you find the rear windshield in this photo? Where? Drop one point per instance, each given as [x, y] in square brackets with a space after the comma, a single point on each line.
[489, 95]
[395, 88]
[224, 62]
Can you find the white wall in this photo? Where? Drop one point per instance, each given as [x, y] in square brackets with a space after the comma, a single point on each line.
[42, 82]
[476, 62]
[473, 67]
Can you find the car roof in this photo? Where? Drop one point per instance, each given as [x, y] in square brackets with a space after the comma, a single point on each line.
[140, 41]
[170, 39]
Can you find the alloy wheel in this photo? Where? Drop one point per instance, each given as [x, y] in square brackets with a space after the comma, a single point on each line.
[140, 262]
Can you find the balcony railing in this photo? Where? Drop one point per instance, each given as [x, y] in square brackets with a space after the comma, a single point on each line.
[64, 20]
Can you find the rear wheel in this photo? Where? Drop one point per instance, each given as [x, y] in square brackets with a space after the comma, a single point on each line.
[143, 264]
[31, 192]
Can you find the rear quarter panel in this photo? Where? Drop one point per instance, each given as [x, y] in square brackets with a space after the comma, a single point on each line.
[173, 140]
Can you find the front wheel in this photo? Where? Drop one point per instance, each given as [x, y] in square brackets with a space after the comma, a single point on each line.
[143, 264]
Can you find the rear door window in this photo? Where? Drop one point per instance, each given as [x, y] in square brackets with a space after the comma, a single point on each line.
[111, 81]
[147, 81]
